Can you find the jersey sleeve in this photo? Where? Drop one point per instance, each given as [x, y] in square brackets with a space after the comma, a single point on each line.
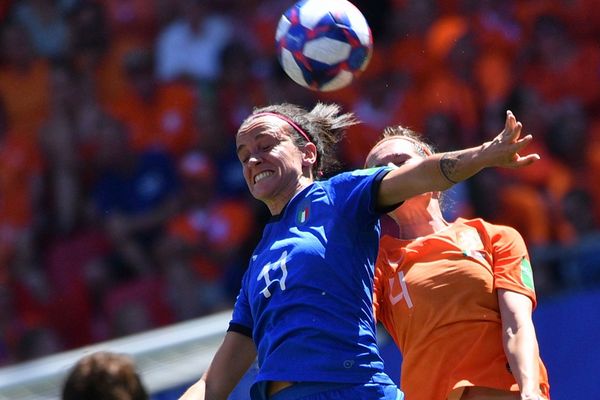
[356, 192]
[241, 320]
[512, 267]
[382, 309]
[378, 288]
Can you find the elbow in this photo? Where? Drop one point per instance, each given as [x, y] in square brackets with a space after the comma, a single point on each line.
[511, 334]
[518, 336]
[510, 331]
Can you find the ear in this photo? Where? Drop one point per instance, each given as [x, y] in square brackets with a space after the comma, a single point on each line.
[309, 155]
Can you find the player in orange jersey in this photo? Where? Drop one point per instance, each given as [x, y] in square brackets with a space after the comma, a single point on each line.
[456, 297]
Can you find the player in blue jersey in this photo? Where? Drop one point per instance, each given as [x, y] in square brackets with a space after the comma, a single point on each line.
[305, 306]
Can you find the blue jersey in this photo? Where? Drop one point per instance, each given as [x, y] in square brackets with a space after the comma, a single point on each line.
[306, 297]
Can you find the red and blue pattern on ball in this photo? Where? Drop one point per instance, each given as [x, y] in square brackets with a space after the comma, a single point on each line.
[333, 25]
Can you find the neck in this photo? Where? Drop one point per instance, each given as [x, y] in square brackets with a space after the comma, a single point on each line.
[415, 219]
[277, 206]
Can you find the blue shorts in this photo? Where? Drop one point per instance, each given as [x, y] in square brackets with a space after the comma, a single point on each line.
[330, 391]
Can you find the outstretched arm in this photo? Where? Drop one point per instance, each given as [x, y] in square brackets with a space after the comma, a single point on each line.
[520, 342]
[440, 171]
[230, 363]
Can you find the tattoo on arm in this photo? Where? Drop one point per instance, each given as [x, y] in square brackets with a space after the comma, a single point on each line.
[448, 166]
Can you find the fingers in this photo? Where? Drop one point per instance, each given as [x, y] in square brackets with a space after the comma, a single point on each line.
[526, 160]
[512, 127]
[510, 121]
[509, 143]
[520, 143]
[521, 161]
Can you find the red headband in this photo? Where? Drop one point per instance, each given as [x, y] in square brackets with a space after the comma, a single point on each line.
[288, 120]
[292, 123]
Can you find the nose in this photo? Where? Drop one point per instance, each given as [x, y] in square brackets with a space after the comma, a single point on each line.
[254, 159]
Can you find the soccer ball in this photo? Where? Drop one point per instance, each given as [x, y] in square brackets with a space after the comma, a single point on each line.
[323, 44]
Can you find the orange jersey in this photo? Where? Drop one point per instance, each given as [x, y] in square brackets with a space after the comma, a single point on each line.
[436, 297]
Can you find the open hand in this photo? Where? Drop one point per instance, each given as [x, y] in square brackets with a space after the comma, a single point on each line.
[504, 149]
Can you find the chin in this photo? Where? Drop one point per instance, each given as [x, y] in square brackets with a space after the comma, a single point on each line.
[261, 194]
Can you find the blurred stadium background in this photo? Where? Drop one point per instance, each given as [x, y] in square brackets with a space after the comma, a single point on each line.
[125, 222]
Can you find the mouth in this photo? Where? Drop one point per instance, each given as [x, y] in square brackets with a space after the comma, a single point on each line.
[262, 175]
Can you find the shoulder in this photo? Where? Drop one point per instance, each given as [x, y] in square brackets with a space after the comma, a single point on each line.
[500, 237]
[490, 228]
[349, 177]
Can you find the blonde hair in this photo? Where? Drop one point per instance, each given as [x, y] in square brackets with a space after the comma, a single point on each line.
[423, 148]
[401, 132]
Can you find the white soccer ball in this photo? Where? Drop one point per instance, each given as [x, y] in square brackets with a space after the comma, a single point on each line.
[323, 44]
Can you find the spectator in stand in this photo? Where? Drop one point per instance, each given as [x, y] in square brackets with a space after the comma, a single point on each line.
[38, 341]
[131, 24]
[159, 115]
[206, 237]
[559, 66]
[448, 86]
[189, 47]
[22, 72]
[377, 107]
[579, 263]
[46, 26]
[132, 18]
[104, 376]
[133, 197]
[89, 36]
[59, 139]
[20, 188]
[239, 87]
[137, 306]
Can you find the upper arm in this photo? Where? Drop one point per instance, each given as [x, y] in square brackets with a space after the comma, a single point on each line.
[411, 179]
[512, 268]
[230, 363]
[515, 309]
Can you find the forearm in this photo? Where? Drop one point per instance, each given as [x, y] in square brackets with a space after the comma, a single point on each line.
[201, 391]
[229, 364]
[456, 166]
[196, 392]
[520, 346]
[437, 172]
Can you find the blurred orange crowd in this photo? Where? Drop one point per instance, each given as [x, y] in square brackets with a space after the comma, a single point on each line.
[122, 205]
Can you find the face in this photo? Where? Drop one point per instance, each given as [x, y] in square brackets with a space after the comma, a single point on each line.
[397, 151]
[273, 165]
[394, 150]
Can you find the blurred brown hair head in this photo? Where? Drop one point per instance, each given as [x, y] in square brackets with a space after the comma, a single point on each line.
[104, 376]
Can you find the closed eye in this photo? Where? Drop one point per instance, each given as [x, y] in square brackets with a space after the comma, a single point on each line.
[243, 157]
[395, 163]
